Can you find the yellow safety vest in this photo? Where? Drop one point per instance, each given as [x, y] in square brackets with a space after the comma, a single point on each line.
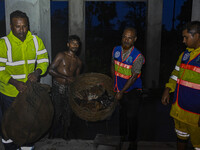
[176, 111]
[18, 59]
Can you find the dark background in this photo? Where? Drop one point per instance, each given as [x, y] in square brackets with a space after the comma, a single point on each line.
[103, 32]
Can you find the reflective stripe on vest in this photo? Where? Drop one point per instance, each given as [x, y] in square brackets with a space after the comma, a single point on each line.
[190, 67]
[31, 61]
[122, 75]
[16, 63]
[189, 84]
[120, 64]
[2, 68]
[123, 65]
[3, 60]
[123, 70]
[41, 52]
[9, 51]
[9, 54]
[125, 76]
[174, 77]
[42, 60]
[177, 68]
[21, 76]
[38, 52]
[36, 44]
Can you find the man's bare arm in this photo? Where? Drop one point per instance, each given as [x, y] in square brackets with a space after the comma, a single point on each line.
[54, 65]
[165, 96]
[20, 86]
[79, 68]
[34, 76]
[136, 69]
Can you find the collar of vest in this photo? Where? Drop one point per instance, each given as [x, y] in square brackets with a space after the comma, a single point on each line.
[192, 49]
[18, 41]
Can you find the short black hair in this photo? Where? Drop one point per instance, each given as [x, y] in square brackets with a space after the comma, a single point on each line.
[18, 14]
[74, 37]
[131, 29]
[192, 27]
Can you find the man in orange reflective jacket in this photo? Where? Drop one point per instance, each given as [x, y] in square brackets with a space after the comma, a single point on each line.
[185, 83]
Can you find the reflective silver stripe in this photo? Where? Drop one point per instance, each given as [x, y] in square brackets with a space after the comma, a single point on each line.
[7, 141]
[197, 148]
[41, 52]
[9, 53]
[22, 76]
[42, 60]
[183, 134]
[36, 45]
[16, 63]
[35, 42]
[174, 77]
[2, 68]
[8, 48]
[31, 61]
[3, 60]
[27, 148]
[177, 68]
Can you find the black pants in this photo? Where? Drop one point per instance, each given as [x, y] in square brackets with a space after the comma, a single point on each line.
[62, 112]
[5, 103]
[129, 110]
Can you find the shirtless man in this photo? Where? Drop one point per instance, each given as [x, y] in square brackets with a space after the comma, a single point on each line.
[64, 68]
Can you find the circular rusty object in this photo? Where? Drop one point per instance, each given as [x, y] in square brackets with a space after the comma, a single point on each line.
[91, 97]
[30, 115]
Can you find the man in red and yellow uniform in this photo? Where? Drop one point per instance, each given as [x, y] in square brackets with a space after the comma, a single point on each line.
[126, 67]
[185, 83]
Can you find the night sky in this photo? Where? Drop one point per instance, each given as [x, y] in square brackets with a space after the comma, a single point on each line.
[167, 10]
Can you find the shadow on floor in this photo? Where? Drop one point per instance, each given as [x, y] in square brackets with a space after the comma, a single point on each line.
[154, 124]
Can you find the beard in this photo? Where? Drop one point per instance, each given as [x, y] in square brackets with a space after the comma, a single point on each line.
[126, 46]
[74, 49]
[21, 36]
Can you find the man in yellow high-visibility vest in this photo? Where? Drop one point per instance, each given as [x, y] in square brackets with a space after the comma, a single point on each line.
[185, 83]
[22, 57]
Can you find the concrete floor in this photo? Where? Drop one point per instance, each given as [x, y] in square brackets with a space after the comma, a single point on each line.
[59, 144]
[155, 126]
[155, 129]
[154, 123]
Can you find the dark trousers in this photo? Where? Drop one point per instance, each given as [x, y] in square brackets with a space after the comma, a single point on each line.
[62, 112]
[129, 110]
[5, 103]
